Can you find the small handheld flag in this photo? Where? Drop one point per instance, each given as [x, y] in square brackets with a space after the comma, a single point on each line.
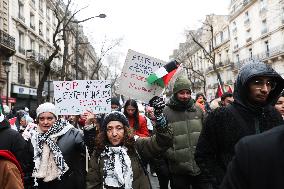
[163, 75]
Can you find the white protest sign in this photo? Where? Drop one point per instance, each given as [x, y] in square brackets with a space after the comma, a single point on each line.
[75, 97]
[136, 69]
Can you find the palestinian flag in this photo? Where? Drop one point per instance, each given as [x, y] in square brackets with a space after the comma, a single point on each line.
[163, 75]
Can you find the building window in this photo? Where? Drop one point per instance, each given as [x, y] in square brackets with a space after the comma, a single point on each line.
[237, 58]
[266, 48]
[40, 74]
[282, 17]
[47, 35]
[40, 5]
[21, 12]
[263, 5]
[40, 28]
[250, 53]
[21, 72]
[264, 29]
[32, 44]
[236, 43]
[32, 21]
[48, 13]
[21, 43]
[32, 78]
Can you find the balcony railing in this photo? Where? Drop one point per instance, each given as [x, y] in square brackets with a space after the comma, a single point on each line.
[7, 40]
[21, 17]
[22, 50]
[31, 54]
[41, 58]
[21, 80]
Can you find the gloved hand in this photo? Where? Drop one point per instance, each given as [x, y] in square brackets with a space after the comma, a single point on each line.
[158, 104]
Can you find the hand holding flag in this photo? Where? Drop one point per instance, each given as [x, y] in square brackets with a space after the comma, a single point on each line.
[163, 75]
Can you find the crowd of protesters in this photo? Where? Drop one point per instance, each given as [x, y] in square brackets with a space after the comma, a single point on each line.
[231, 142]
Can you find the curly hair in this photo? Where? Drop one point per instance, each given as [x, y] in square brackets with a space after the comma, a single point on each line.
[102, 140]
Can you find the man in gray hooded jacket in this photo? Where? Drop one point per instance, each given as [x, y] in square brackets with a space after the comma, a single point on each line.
[256, 90]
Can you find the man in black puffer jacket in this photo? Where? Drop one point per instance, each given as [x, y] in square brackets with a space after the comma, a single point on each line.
[256, 90]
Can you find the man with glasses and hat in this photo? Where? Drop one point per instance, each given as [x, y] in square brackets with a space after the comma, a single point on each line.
[256, 91]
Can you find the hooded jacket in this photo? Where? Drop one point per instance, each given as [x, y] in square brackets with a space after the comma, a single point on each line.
[222, 130]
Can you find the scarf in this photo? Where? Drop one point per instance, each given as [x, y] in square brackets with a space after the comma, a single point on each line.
[117, 167]
[181, 106]
[48, 158]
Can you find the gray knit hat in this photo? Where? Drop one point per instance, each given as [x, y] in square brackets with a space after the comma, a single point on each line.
[46, 107]
[181, 83]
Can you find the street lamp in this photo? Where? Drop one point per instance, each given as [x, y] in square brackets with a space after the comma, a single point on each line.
[77, 42]
[7, 65]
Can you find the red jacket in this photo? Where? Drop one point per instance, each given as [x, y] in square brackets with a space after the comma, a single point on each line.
[143, 130]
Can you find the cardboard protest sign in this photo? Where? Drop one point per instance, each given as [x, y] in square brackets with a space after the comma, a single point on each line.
[75, 97]
[136, 69]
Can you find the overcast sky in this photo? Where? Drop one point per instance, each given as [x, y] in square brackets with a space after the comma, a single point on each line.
[152, 27]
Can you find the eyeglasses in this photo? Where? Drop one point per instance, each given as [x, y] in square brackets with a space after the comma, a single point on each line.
[258, 83]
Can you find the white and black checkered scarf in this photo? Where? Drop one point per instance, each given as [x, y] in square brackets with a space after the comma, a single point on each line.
[117, 168]
[57, 129]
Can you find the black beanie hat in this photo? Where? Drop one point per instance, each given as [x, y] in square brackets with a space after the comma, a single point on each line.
[115, 116]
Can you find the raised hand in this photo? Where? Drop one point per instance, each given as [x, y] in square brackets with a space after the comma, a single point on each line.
[158, 104]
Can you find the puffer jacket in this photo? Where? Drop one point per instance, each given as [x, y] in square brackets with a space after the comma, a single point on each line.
[73, 150]
[186, 127]
[147, 148]
[222, 129]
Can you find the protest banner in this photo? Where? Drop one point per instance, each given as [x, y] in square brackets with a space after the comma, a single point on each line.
[136, 69]
[75, 97]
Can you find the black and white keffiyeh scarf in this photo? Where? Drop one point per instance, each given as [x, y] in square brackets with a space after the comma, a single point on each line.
[45, 146]
[117, 167]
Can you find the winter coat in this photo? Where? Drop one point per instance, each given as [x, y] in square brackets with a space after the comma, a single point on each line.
[14, 142]
[147, 148]
[258, 163]
[186, 126]
[73, 150]
[222, 129]
[10, 176]
[143, 129]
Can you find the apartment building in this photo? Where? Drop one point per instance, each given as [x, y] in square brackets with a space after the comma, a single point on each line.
[7, 47]
[26, 33]
[257, 28]
[254, 29]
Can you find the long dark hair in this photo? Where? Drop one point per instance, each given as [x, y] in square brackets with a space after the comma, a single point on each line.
[133, 103]
[101, 141]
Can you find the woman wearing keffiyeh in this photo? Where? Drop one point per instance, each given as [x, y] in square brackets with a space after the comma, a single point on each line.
[58, 151]
[117, 159]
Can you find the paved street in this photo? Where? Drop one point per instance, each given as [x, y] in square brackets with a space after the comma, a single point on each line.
[154, 181]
